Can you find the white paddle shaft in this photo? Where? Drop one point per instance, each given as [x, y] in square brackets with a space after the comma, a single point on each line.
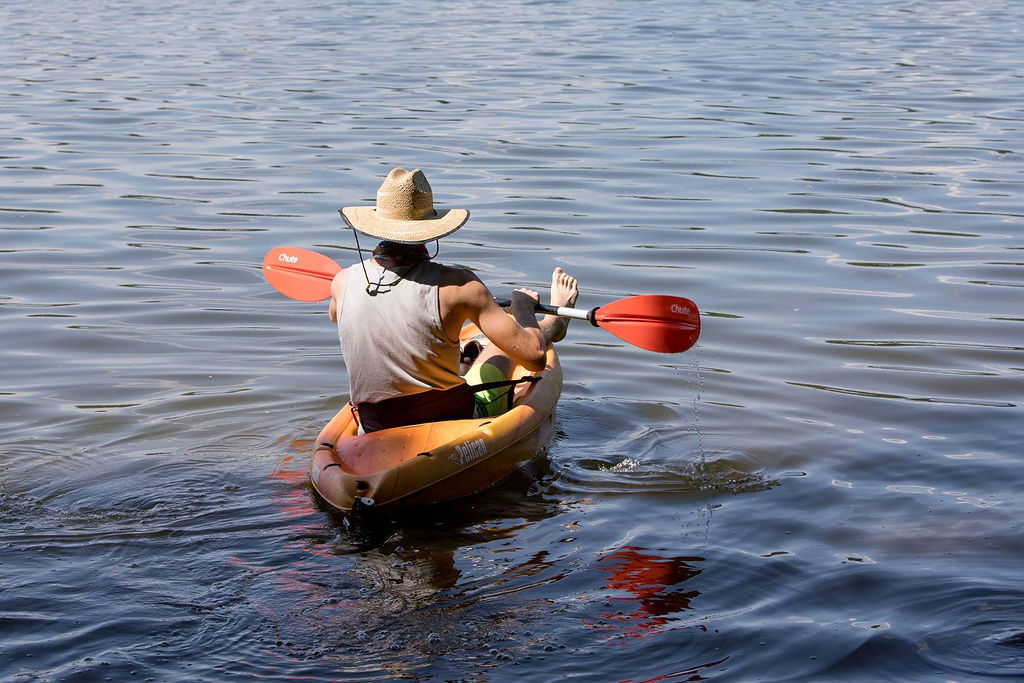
[560, 311]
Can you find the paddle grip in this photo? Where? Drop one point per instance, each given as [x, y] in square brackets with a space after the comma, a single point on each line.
[560, 311]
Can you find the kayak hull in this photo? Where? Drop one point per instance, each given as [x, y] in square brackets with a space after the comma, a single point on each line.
[405, 467]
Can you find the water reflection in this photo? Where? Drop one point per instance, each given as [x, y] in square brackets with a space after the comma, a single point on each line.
[415, 555]
[399, 589]
[655, 596]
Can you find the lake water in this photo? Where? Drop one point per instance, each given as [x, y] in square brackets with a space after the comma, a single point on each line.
[829, 486]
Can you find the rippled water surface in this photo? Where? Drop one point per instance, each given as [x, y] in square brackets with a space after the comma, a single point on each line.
[828, 487]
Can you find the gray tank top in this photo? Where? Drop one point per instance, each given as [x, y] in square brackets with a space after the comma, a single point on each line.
[393, 340]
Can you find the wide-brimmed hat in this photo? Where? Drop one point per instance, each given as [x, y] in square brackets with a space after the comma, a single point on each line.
[405, 211]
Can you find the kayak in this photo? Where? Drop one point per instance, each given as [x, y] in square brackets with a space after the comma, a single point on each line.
[429, 463]
[417, 465]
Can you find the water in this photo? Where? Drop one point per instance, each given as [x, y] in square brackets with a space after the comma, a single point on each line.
[827, 487]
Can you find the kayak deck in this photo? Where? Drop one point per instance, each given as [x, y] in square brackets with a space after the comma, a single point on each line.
[403, 467]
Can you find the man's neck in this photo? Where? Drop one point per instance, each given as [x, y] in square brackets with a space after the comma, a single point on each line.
[393, 255]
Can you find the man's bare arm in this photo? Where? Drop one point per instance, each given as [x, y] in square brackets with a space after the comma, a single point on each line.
[518, 336]
[337, 291]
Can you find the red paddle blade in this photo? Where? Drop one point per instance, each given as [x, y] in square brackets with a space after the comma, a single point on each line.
[299, 273]
[666, 324]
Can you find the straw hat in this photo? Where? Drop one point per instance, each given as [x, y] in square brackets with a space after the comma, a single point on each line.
[405, 211]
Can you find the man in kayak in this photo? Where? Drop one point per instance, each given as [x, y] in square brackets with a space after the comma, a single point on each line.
[399, 316]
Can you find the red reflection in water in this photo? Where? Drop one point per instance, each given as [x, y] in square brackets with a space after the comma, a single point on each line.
[649, 579]
[690, 671]
[293, 498]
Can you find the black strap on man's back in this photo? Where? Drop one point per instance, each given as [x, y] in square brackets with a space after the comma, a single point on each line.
[430, 406]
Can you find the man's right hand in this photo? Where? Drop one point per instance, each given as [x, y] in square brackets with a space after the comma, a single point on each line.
[524, 301]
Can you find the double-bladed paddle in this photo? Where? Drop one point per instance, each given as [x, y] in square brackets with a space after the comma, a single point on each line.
[667, 324]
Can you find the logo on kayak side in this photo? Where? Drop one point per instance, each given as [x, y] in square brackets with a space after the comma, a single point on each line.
[469, 451]
[286, 258]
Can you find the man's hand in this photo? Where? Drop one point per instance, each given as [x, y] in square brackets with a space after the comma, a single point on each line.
[524, 305]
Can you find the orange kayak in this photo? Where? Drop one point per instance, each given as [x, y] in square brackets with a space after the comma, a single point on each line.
[404, 467]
